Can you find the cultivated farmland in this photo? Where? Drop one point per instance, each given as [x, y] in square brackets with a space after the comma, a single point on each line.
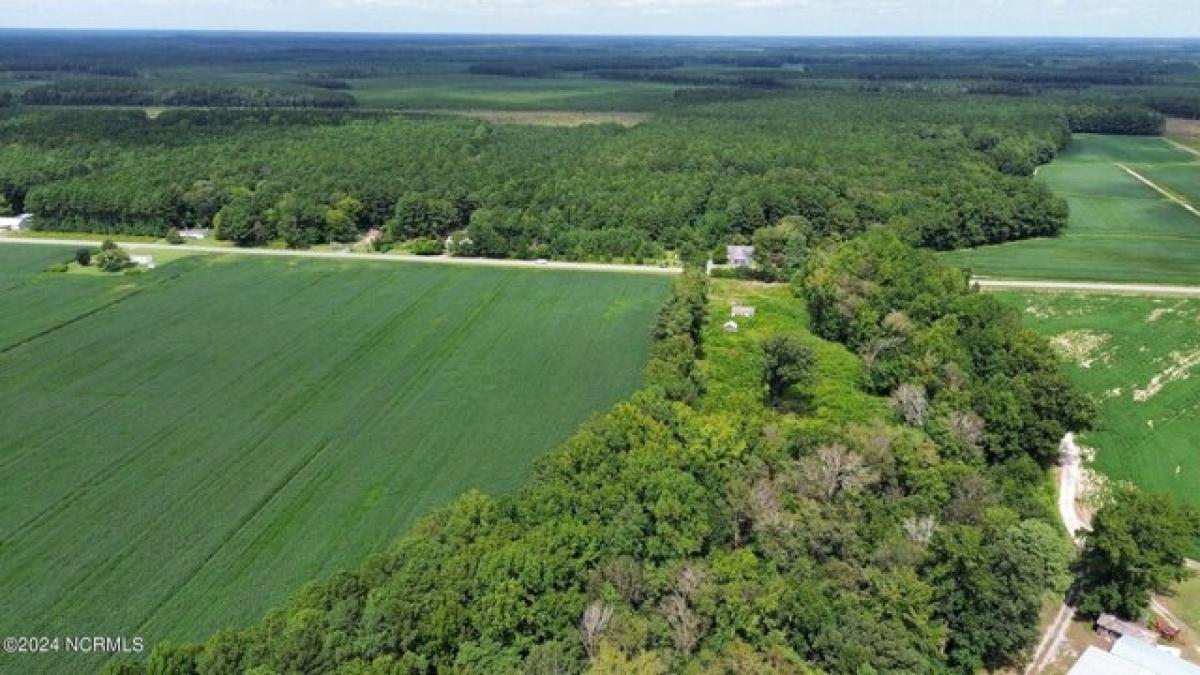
[1139, 358]
[1120, 229]
[1181, 180]
[182, 449]
[461, 91]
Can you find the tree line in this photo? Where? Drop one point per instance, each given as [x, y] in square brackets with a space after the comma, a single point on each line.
[122, 92]
[1176, 105]
[945, 173]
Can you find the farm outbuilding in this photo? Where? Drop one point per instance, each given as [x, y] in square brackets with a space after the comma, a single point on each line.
[746, 311]
[1152, 658]
[1113, 628]
[731, 327]
[1099, 662]
[142, 259]
[1131, 656]
[740, 256]
[16, 223]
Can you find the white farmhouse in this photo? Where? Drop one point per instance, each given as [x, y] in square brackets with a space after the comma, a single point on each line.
[740, 256]
[16, 223]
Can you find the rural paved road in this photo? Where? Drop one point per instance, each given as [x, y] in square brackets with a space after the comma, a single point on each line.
[984, 283]
[337, 255]
[1084, 287]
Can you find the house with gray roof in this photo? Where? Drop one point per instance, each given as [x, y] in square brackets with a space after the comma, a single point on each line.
[740, 256]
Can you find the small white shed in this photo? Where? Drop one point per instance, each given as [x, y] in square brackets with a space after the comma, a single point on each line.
[16, 223]
[731, 326]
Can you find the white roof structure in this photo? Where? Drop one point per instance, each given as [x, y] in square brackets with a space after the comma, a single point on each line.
[15, 222]
[1099, 662]
[142, 259]
[1131, 656]
[740, 256]
[742, 310]
[1153, 659]
[731, 327]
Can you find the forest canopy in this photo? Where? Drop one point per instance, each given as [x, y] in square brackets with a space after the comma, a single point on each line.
[944, 174]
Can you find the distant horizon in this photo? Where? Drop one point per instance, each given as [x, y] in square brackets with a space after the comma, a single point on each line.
[1086, 19]
[714, 36]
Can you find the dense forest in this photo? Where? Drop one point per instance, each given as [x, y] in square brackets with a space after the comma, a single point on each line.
[936, 139]
[945, 173]
[671, 535]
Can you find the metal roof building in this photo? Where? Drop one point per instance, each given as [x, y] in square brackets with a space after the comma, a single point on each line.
[1131, 656]
[1099, 662]
[1152, 658]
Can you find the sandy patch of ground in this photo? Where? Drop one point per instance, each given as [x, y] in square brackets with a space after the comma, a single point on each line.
[1080, 346]
[1181, 127]
[1159, 313]
[1039, 311]
[1180, 369]
[553, 118]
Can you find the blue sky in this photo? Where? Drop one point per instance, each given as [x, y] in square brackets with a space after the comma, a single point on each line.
[1143, 18]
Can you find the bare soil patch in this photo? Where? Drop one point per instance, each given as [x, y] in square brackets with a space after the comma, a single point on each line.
[554, 118]
[1180, 127]
[1180, 369]
[1079, 346]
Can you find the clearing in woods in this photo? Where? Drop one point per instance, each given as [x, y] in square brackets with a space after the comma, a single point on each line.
[1120, 230]
[732, 363]
[546, 118]
[1139, 359]
[1185, 132]
[184, 448]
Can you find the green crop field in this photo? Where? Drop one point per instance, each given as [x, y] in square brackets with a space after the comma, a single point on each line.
[181, 449]
[1120, 230]
[1139, 358]
[1181, 180]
